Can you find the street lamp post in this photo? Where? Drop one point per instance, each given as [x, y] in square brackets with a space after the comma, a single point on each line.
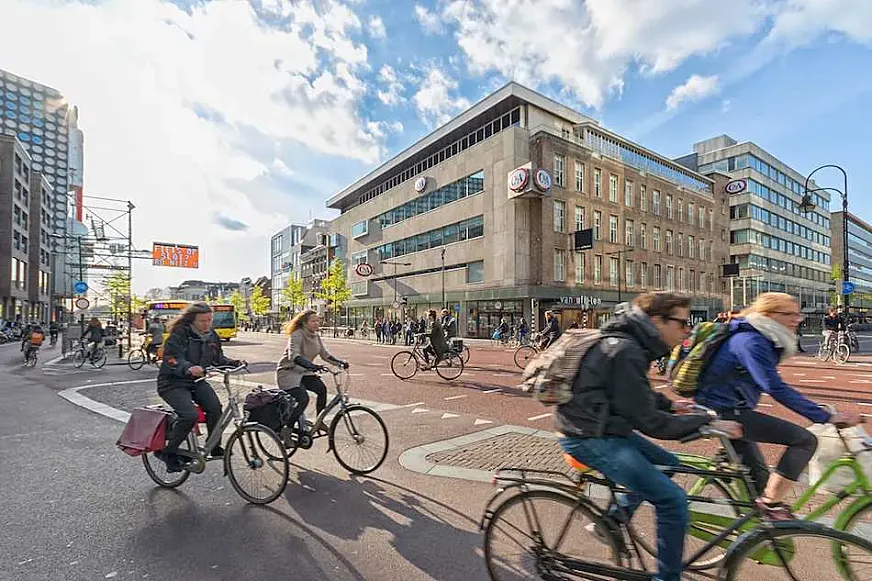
[444, 303]
[395, 265]
[620, 254]
[807, 205]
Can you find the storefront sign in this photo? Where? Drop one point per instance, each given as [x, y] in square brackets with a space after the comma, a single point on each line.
[363, 269]
[735, 186]
[420, 184]
[518, 179]
[585, 302]
[542, 180]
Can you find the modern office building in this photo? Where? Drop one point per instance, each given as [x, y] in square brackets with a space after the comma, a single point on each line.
[39, 258]
[777, 246]
[480, 216]
[286, 249]
[859, 259]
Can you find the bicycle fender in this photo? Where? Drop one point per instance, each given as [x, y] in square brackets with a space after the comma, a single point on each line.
[846, 515]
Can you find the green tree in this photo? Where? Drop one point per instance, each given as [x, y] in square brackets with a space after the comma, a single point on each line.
[292, 295]
[260, 303]
[334, 287]
[117, 287]
[238, 302]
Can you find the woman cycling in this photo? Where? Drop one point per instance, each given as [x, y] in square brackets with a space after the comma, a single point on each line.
[192, 347]
[296, 372]
[746, 366]
[95, 335]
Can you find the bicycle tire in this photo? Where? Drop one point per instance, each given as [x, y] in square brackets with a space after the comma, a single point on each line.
[409, 356]
[156, 468]
[253, 461]
[841, 353]
[495, 567]
[446, 367]
[344, 416]
[523, 354]
[79, 358]
[743, 552]
[98, 362]
[854, 518]
[136, 359]
[464, 355]
[290, 445]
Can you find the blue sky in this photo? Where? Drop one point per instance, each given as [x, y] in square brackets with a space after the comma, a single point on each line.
[224, 120]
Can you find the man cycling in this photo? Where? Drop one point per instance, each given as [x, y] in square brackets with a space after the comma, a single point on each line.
[155, 333]
[33, 340]
[612, 399]
[833, 323]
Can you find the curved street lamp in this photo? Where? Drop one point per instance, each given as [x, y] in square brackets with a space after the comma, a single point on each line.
[807, 205]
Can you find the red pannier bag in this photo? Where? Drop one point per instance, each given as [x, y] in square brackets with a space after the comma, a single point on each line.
[146, 431]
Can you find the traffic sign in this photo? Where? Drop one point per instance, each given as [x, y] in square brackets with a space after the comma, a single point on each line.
[457, 307]
[848, 287]
[81, 287]
[82, 303]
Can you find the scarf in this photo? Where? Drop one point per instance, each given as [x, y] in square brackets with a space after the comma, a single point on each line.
[202, 336]
[783, 337]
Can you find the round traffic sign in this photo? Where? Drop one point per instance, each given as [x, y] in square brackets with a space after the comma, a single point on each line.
[81, 287]
[82, 303]
[363, 269]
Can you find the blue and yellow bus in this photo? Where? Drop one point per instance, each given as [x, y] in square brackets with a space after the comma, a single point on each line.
[224, 321]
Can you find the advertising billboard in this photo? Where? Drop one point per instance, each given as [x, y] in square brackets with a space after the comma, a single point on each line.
[175, 255]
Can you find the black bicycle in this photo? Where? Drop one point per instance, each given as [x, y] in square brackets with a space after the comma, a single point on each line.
[527, 535]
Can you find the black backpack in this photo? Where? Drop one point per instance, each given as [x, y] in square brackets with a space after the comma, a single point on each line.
[269, 407]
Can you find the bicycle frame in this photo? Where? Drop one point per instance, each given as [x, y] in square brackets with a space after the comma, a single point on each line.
[340, 399]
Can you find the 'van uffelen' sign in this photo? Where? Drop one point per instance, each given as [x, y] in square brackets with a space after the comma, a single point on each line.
[581, 301]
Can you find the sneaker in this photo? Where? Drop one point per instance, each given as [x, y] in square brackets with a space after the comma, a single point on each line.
[774, 510]
[217, 452]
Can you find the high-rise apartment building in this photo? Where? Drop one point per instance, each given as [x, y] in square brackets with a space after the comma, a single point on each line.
[859, 259]
[776, 245]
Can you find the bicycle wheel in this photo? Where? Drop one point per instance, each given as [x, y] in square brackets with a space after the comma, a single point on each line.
[860, 523]
[289, 440]
[465, 354]
[450, 367]
[99, 360]
[841, 353]
[359, 432]
[524, 354]
[256, 463]
[806, 551]
[157, 469]
[79, 357]
[404, 365]
[513, 549]
[136, 359]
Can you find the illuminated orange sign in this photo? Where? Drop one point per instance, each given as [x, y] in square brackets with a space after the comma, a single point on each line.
[176, 255]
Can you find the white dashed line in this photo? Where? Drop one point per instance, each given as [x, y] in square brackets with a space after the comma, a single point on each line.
[864, 403]
[827, 377]
[479, 422]
[387, 374]
[492, 390]
[541, 417]
[765, 405]
[411, 405]
[811, 381]
[864, 381]
[446, 416]
[419, 411]
[454, 397]
[799, 374]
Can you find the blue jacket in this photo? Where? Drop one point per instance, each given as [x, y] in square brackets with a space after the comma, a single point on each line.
[745, 366]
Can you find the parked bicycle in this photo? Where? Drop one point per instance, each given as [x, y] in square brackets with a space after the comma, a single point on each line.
[252, 450]
[97, 356]
[405, 364]
[539, 510]
[835, 346]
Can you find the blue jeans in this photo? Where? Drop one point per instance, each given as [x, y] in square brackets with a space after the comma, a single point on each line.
[631, 462]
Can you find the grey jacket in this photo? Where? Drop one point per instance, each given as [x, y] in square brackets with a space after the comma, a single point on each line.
[289, 372]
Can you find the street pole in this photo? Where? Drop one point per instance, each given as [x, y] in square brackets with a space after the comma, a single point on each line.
[444, 303]
[130, 208]
[809, 206]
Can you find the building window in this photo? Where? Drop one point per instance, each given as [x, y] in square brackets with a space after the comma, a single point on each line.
[597, 225]
[613, 271]
[597, 182]
[628, 193]
[655, 202]
[711, 251]
[358, 258]
[559, 264]
[643, 236]
[560, 169]
[559, 216]
[657, 277]
[465, 230]
[702, 249]
[579, 267]
[360, 289]
[681, 285]
[463, 188]
[360, 229]
[643, 198]
[680, 244]
[475, 272]
[613, 189]
[691, 247]
[669, 249]
[629, 226]
[629, 272]
[680, 211]
[701, 217]
[643, 275]
[692, 281]
[598, 269]
[691, 213]
[670, 278]
[656, 236]
[579, 176]
[711, 221]
[579, 218]
[669, 214]
[613, 229]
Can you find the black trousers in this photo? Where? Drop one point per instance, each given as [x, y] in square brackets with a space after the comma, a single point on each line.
[182, 399]
[311, 383]
[801, 445]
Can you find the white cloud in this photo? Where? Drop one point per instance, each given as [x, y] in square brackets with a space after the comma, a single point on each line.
[726, 105]
[139, 70]
[429, 21]
[377, 27]
[801, 22]
[393, 92]
[434, 101]
[694, 89]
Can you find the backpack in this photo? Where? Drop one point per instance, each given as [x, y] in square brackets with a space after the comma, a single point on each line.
[690, 359]
[550, 375]
[269, 407]
[37, 337]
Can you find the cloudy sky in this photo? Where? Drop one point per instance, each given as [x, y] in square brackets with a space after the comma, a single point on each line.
[224, 120]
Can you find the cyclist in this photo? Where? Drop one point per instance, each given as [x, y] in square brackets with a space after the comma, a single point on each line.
[438, 346]
[503, 330]
[296, 372]
[612, 400]
[449, 324]
[191, 347]
[155, 337]
[833, 323]
[33, 341]
[94, 335]
[523, 330]
[745, 367]
[551, 331]
[25, 333]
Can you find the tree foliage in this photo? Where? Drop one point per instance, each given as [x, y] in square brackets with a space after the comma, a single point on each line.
[334, 287]
[293, 295]
[117, 288]
[238, 302]
[259, 302]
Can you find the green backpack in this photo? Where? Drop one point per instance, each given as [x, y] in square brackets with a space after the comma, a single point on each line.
[689, 360]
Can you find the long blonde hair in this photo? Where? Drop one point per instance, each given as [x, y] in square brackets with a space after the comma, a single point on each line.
[769, 303]
[299, 320]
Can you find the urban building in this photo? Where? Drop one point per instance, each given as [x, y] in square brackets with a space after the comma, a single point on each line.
[314, 265]
[859, 259]
[195, 290]
[777, 246]
[286, 249]
[40, 247]
[15, 227]
[480, 216]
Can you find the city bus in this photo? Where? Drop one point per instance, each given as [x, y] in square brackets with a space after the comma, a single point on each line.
[224, 321]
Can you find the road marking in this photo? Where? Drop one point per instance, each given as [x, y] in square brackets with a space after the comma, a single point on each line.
[356, 374]
[380, 357]
[446, 416]
[481, 422]
[860, 381]
[811, 381]
[373, 364]
[866, 415]
[540, 417]
[387, 374]
[493, 390]
[827, 377]
[419, 411]
[412, 405]
[454, 397]
[73, 396]
[864, 403]
[799, 374]
[765, 405]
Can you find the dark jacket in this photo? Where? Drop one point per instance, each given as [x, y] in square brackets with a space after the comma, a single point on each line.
[745, 367]
[437, 338]
[185, 349]
[834, 323]
[95, 334]
[552, 329]
[611, 393]
[449, 325]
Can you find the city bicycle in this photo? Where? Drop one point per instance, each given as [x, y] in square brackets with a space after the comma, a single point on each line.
[355, 431]
[252, 451]
[535, 509]
[526, 353]
[31, 355]
[405, 364]
[97, 356]
[142, 355]
[835, 346]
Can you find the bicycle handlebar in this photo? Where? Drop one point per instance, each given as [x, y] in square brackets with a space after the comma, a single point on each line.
[221, 370]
